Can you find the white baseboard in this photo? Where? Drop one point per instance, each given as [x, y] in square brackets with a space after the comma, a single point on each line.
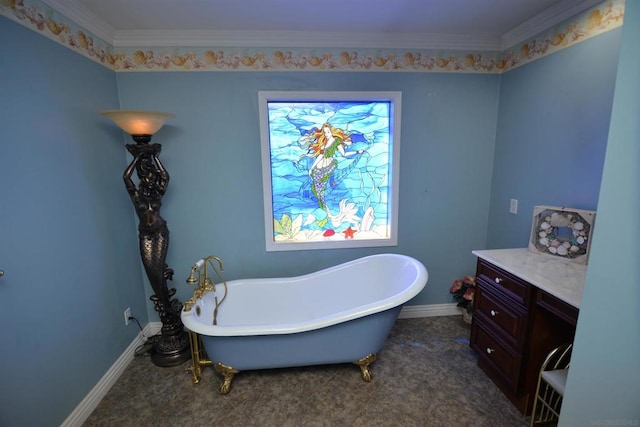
[431, 310]
[152, 328]
[91, 401]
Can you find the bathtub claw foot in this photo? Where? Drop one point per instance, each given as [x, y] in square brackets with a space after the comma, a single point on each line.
[227, 373]
[364, 366]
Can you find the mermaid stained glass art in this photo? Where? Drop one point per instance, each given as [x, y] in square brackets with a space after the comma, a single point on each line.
[330, 168]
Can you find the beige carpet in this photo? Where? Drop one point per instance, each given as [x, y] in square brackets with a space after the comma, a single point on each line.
[425, 375]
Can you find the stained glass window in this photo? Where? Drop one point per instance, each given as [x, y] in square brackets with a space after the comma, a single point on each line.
[330, 168]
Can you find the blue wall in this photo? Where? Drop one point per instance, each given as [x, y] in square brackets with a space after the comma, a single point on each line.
[67, 232]
[551, 135]
[604, 378]
[211, 148]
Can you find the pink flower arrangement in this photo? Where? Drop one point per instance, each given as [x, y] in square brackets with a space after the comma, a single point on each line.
[463, 291]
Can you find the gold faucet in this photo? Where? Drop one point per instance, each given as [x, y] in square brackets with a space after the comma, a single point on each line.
[200, 275]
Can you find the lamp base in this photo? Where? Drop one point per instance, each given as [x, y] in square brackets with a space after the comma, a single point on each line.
[171, 349]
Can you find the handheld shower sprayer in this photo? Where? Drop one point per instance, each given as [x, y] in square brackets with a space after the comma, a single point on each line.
[191, 280]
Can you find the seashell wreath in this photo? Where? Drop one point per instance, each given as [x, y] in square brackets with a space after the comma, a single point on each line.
[573, 245]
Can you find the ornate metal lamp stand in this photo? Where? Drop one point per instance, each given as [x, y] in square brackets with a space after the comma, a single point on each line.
[172, 346]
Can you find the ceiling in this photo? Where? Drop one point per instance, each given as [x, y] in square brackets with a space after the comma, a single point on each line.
[492, 24]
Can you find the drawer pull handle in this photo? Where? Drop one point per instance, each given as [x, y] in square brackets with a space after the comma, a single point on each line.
[499, 279]
[493, 313]
[490, 350]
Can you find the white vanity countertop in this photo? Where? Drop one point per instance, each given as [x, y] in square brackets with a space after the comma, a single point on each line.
[558, 277]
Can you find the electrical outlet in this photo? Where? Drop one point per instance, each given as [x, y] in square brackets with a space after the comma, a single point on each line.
[127, 315]
[513, 207]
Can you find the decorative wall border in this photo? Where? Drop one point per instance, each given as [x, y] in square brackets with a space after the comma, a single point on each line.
[48, 22]
[41, 18]
[594, 21]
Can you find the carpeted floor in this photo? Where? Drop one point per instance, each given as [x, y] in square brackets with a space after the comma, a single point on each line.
[425, 375]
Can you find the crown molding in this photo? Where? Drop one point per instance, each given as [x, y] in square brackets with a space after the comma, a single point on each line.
[78, 13]
[543, 21]
[304, 39]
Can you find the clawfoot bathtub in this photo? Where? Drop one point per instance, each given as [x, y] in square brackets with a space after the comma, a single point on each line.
[341, 314]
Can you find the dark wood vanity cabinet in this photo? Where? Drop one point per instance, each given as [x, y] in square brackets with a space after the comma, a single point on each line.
[514, 327]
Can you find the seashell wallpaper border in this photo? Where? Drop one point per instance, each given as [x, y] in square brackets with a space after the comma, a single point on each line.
[41, 18]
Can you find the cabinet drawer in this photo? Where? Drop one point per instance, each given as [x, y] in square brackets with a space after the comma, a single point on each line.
[565, 311]
[498, 356]
[518, 290]
[506, 318]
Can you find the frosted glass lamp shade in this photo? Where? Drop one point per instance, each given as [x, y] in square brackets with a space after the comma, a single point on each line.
[136, 122]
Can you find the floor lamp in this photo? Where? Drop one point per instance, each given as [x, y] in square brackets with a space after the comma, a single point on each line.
[171, 348]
